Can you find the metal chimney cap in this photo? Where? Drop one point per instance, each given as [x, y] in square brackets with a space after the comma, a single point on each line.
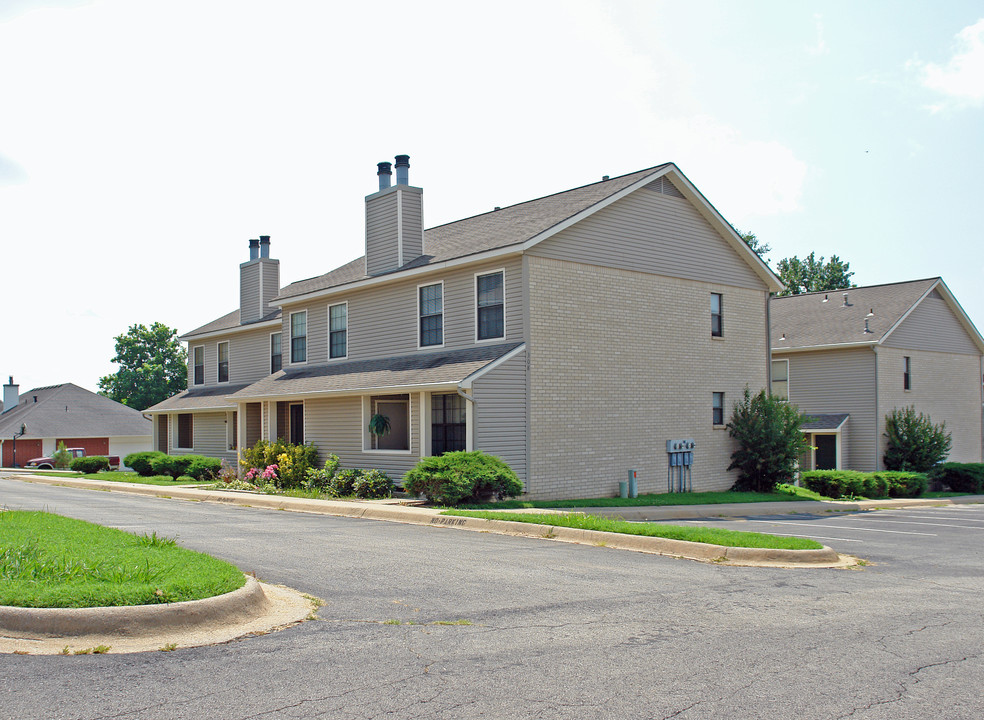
[403, 161]
[384, 168]
[254, 242]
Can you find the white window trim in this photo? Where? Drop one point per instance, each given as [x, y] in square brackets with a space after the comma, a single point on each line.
[367, 436]
[290, 340]
[228, 362]
[270, 351]
[347, 337]
[443, 314]
[477, 276]
[193, 365]
[290, 429]
[721, 314]
[772, 379]
[724, 408]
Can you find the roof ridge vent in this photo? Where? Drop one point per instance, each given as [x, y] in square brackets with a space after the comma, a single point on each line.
[846, 301]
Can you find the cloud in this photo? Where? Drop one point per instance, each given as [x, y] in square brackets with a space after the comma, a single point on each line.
[820, 48]
[961, 78]
[11, 173]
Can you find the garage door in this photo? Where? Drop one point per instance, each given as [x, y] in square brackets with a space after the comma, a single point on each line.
[26, 450]
[93, 446]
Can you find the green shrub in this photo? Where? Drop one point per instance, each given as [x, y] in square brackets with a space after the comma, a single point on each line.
[292, 461]
[90, 464]
[61, 458]
[373, 484]
[173, 465]
[140, 462]
[320, 480]
[343, 483]
[457, 477]
[767, 430]
[914, 442]
[960, 477]
[203, 468]
[851, 483]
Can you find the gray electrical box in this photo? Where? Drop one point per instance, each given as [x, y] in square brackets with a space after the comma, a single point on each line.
[680, 460]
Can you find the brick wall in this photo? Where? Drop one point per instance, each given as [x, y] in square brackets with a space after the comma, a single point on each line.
[620, 362]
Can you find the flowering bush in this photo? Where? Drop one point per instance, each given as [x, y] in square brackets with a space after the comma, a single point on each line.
[270, 474]
[292, 461]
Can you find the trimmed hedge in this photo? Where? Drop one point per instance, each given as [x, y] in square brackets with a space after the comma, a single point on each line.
[204, 468]
[140, 462]
[90, 464]
[960, 477]
[373, 484]
[851, 483]
[458, 477]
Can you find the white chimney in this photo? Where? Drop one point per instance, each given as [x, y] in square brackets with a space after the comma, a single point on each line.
[11, 395]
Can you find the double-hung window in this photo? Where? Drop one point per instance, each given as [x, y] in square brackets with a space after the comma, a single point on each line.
[276, 353]
[298, 337]
[199, 353]
[223, 362]
[717, 315]
[717, 408]
[431, 310]
[447, 423]
[780, 379]
[489, 306]
[338, 330]
[907, 373]
[186, 431]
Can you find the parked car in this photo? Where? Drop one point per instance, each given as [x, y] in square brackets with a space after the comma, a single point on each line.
[47, 463]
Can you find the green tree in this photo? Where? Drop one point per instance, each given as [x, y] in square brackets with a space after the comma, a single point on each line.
[758, 247]
[814, 275]
[767, 430]
[914, 442]
[152, 367]
[61, 457]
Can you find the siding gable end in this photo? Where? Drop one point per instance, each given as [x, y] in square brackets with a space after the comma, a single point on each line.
[932, 325]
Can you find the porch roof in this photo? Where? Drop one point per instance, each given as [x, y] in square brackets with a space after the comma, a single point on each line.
[216, 397]
[392, 373]
[816, 422]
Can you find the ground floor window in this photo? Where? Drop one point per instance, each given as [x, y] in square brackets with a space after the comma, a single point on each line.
[186, 431]
[447, 423]
[396, 409]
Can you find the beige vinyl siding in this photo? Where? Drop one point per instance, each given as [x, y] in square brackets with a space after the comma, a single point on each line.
[381, 232]
[411, 201]
[383, 320]
[500, 413]
[619, 363]
[839, 381]
[652, 232]
[932, 326]
[254, 424]
[208, 437]
[945, 386]
[336, 425]
[270, 285]
[249, 291]
[249, 355]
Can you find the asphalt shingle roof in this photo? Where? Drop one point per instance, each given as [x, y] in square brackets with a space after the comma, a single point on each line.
[800, 321]
[451, 366]
[228, 322]
[216, 397]
[69, 411]
[489, 231]
[816, 422]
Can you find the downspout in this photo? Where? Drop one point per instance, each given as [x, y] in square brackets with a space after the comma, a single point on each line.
[768, 342]
[874, 349]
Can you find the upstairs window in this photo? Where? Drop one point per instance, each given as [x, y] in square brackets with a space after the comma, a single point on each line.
[489, 302]
[431, 308]
[907, 373]
[780, 379]
[200, 365]
[338, 331]
[717, 315]
[298, 337]
[223, 362]
[717, 408]
[276, 354]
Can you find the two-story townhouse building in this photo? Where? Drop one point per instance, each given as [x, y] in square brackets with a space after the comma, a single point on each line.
[572, 336]
[850, 357]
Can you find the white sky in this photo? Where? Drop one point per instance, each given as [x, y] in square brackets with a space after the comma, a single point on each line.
[142, 142]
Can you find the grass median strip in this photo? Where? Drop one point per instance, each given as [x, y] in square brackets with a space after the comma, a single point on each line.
[123, 476]
[787, 493]
[711, 536]
[49, 561]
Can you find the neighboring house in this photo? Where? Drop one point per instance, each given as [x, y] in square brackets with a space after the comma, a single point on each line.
[849, 357]
[572, 336]
[72, 415]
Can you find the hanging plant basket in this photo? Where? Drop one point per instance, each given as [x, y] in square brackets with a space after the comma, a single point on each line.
[379, 425]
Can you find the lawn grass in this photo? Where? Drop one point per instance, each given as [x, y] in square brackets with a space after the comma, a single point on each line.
[123, 476]
[51, 561]
[688, 498]
[711, 536]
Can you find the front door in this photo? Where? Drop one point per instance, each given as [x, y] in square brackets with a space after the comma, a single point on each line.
[825, 457]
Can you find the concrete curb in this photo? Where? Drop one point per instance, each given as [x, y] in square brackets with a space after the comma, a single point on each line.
[234, 608]
[825, 557]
